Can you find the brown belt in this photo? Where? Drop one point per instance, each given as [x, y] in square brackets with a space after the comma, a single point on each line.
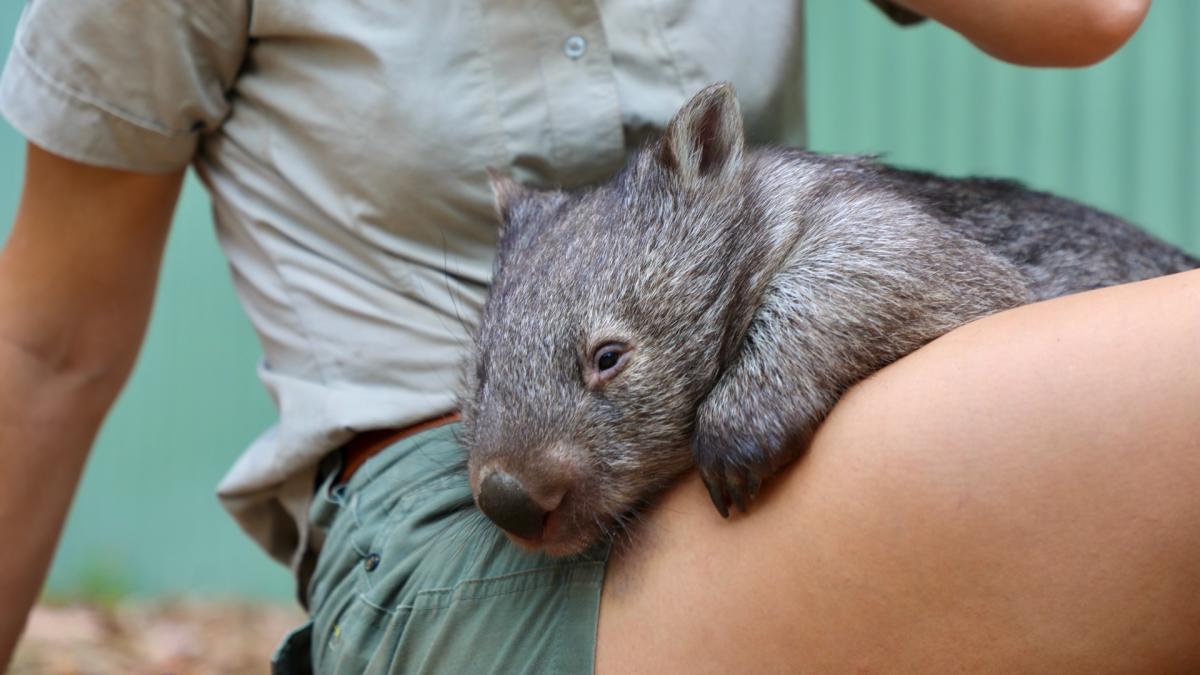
[367, 444]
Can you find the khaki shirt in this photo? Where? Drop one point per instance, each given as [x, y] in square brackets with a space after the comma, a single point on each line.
[344, 145]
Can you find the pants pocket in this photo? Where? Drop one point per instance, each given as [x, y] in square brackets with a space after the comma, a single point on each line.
[539, 621]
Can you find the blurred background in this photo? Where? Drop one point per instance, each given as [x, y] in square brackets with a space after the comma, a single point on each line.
[1123, 135]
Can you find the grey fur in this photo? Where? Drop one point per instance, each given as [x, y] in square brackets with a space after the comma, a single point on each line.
[753, 287]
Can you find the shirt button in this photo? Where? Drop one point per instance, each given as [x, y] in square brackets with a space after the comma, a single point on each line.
[371, 562]
[575, 47]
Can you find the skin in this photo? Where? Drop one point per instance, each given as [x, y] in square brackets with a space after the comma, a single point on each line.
[1033, 509]
[77, 279]
[1048, 33]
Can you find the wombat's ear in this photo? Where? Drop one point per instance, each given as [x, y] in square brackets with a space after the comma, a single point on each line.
[506, 193]
[705, 138]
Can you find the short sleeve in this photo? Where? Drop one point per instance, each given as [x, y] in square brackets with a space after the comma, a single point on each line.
[900, 15]
[130, 84]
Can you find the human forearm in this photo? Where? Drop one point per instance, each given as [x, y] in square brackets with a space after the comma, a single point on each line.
[1062, 33]
[77, 278]
[58, 377]
[47, 422]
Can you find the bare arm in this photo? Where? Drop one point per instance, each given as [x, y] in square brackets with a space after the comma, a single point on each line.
[1021, 495]
[1057, 33]
[77, 279]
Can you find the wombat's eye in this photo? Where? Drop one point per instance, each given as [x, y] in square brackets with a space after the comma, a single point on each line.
[607, 360]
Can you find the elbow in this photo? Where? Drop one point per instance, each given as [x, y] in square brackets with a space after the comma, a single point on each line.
[80, 378]
[1104, 27]
[1088, 32]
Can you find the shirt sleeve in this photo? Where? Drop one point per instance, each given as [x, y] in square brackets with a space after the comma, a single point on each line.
[900, 15]
[129, 84]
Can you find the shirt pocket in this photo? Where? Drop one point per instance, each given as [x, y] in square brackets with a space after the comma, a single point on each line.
[383, 113]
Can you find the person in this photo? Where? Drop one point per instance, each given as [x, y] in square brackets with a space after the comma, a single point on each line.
[995, 521]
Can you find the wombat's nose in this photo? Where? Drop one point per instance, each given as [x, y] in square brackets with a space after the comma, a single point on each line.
[503, 499]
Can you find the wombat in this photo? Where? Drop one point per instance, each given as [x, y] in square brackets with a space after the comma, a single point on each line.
[710, 303]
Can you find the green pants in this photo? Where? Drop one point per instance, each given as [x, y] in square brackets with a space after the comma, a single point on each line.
[413, 579]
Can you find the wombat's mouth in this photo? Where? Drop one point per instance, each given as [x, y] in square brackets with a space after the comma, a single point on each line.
[551, 540]
[565, 531]
[561, 500]
[553, 512]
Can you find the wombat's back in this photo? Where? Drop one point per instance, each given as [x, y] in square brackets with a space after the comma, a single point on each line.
[1060, 246]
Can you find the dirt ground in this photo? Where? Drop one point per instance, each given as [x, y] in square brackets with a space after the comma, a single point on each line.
[175, 637]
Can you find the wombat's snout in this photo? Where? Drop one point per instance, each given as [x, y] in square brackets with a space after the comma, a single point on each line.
[507, 502]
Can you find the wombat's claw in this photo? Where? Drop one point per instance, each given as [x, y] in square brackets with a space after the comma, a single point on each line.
[716, 491]
[743, 483]
[729, 484]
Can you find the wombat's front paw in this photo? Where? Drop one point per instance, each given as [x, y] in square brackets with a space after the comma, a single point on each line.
[733, 467]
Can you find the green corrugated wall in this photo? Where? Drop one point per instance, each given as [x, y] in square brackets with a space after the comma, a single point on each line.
[1123, 135]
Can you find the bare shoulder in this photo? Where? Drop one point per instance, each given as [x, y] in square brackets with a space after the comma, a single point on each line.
[1010, 497]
